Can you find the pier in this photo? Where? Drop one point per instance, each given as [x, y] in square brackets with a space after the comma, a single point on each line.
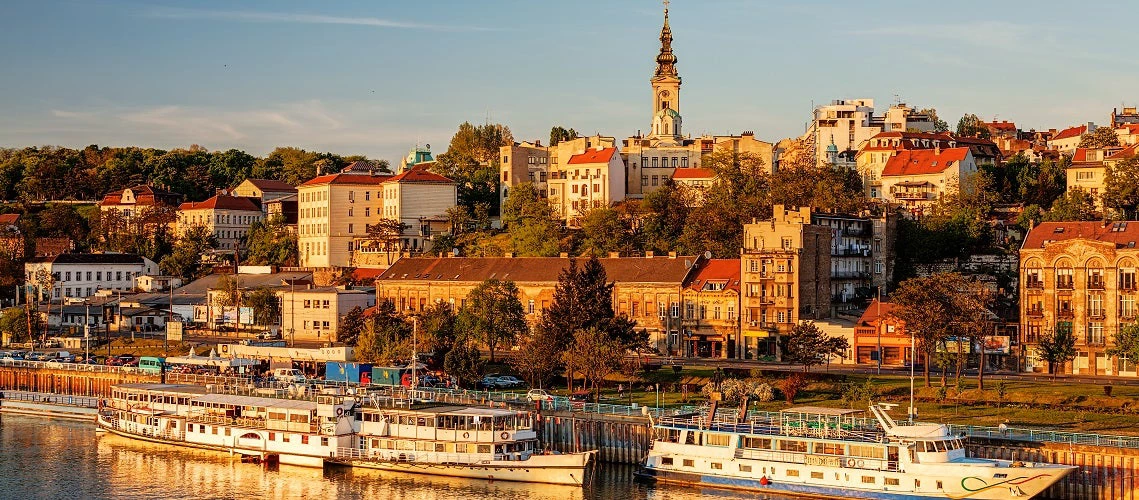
[621, 434]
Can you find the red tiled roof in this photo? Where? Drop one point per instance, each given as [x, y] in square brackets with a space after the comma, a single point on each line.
[1069, 133]
[222, 202]
[593, 156]
[534, 269]
[362, 274]
[1081, 155]
[1132, 128]
[272, 185]
[370, 180]
[1124, 153]
[1123, 234]
[9, 219]
[717, 270]
[1001, 125]
[693, 173]
[909, 140]
[420, 174]
[143, 195]
[871, 315]
[923, 161]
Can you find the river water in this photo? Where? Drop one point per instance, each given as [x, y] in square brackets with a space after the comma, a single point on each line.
[62, 459]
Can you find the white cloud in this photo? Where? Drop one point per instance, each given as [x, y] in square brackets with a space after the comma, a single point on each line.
[285, 17]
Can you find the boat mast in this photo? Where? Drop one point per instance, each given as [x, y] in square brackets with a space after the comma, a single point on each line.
[913, 363]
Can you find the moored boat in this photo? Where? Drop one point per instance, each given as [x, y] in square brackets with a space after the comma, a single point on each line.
[827, 452]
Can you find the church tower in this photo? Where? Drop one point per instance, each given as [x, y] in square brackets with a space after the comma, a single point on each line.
[666, 87]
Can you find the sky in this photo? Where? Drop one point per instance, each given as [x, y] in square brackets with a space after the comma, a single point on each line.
[377, 77]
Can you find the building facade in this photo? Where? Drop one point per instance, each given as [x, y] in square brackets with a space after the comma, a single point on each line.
[589, 180]
[81, 275]
[710, 315]
[879, 331]
[227, 218]
[862, 255]
[916, 179]
[1079, 277]
[315, 313]
[332, 212]
[263, 190]
[785, 278]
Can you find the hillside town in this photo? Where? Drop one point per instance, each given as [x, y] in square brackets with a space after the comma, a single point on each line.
[731, 247]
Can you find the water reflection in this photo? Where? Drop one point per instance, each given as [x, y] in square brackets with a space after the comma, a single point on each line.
[43, 458]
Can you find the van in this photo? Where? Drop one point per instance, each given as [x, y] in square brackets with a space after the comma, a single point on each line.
[292, 375]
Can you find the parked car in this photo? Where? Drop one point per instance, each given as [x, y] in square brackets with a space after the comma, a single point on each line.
[269, 335]
[510, 382]
[578, 399]
[487, 382]
[291, 375]
[539, 395]
[35, 356]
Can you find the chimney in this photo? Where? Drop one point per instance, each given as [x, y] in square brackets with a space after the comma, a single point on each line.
[563, 255]
[672, 255]
[614, 255]
[649, 254]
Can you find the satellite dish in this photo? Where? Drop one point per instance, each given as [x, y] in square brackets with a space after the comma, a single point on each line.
[707, 254]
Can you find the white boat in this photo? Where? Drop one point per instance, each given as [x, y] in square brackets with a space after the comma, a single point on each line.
[828, 452]
[286, 431]
[457, 441]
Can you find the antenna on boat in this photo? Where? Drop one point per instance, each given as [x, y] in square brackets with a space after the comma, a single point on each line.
[913, 363]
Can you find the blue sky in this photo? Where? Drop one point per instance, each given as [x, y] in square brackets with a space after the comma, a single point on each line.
[376, 77]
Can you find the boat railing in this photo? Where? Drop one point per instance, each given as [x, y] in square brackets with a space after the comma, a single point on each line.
[110, 419]
[763, 425]
[434, 457]
[818, 459]
[55, 399]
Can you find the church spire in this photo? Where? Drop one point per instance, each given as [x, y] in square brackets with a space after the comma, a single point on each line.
[666, 61]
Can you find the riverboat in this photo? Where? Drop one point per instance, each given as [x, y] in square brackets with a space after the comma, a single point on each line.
[287, 431]
[457, 441]
[832, 453]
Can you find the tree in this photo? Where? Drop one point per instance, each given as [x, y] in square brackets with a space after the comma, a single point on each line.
[14, 323]
[807, 345]
[603, 231]
[939, 125]
[530, 219]
[464, 362]
[977, 323]
[385, 338]
[536, 358]
[266, 306]
[595, 355]
[667, 210]
[350, 327]
[742, 193]
[1101, 137]
[1075, 205]
[1056, 346]
[931, 307]
[271, 243]
[493, 313]
[472, 161]
[791, 386]
[437, 332]
[186, 259]
[972, 126]
[1121, 187]
[1126, 344]
[559, 134]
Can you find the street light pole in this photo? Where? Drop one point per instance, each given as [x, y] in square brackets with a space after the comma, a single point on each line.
[879, 328]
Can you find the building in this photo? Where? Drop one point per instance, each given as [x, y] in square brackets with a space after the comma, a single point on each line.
[81, 275]
[848, 123]
[785, 278]
[415, 156]
[1067, 140]
[711, 320]
[1079, 277]
[284, 209]
[1088, 170]
[1128, 134]
[877, 151]
[419, 199]
[139, 201]
[226, 217]
[1128, 116]
[918, 178]
[149, 283]
[523, 162]
[314, 313]
[589, 180]
[879, 331]
[263, 190]
[862, 255]
[1003, 129]
[11, 239]
[646, 289]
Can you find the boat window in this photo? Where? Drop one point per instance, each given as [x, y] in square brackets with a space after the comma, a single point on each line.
[892, 481]
[791, 473]
[869, 480]
[712, 439]
[787, 445]
[484, 448]
[666, 461]
[745, 468]
[830, 448]
[689, 463]
[756, 443]
[690, 437]
[816, 475]
[940, 445]
[867, 451]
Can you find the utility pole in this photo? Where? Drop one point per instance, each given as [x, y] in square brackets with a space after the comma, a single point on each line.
[878, 326]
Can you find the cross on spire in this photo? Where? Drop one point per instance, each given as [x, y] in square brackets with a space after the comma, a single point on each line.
[666, 2]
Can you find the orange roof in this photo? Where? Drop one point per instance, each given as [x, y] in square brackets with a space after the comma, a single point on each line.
[593, 156]
[725, 271]
[1124, 153]
[364, 179]
[1132, 128]
[1069, 133]
[9, 219]
[693, 173]
[420, 174]
[222, 202]
[871, 315]
[1123, 234]
[1081, 155]
[272, 185]
[1001, 125]
[923, 161]
[363, 274]
[909, 140]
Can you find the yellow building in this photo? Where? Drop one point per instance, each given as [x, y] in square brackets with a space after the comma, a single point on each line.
[226, 217]
[710, 317]
[784, 278]
[1079, 277]
[1088, 170]
[264, 190]
[646, 289]
[589, 180]
[915, 179]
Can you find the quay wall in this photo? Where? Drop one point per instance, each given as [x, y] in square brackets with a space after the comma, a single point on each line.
[72, 380]
[1104, 473]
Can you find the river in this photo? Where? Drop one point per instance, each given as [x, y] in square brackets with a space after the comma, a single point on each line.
[62, 459]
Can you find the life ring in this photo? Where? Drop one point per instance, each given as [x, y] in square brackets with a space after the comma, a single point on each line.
[340, 412]
[764, 481]
[466, 435]
[504, 435]
[861, 464]
[850, 462]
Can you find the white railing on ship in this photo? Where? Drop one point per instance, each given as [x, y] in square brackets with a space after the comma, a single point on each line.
[792, 457]
[109, 418]
[55, 399]
[435, 457]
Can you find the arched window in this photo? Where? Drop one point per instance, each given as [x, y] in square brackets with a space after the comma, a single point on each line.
[1064, 275]
[1095, 274]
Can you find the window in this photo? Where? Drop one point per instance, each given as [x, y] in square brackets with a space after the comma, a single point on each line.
[731, 312]
[654, 162]
[816, 475]
[368, 212]
[878, 267]
[349, 232]
[1095, 305]
[791, 473]
[326, 304]
[1127, 306]
[689, 463]
[1127, 278]
[1095, 332]
[88, 275]
[869, 480]
[717, 439]
[684, 162]
[1064, 278]
[675, 309]
[530, 307]
[67, 276]
[745, 468]
[715, 312]
[892, 481]
[666, 461]
[349, 211]
[717, 466]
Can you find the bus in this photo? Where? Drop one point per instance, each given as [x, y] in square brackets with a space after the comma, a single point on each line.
[150, 364]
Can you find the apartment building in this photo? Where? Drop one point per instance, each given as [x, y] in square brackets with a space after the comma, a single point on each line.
[877, 151]
[846, 124]
[145, 207]
[226, 217]
[785, 278]
[918, 178]
[1067, 140]
[81, 275]
[523, 162]
[711, 320]
[862, 255]
[1088, 171]
[263, 190]
[315, 313]
[593, 179]
[1079, 277]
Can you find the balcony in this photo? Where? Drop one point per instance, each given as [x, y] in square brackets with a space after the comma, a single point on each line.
[1034, 285]
[850, 275]
[1034, 313]
[1065, 313]
[1095, 285]
[850, 252]
[856, 231]
[911, 196]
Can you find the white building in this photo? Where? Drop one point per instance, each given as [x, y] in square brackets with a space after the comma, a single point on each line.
[847, 123]
[314, 313]
[593, 179]
[226, 217]
[916, 179]
[1067, 140]
[80, 275]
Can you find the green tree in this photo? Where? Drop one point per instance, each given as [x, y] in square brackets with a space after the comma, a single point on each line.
[931, 306]
[1044, 182]
[385, 337]
[1056, 346]
[493, 313]
[437, 331]
[603, 231]
[1101, 137]
[271, 243]
[807, 345]
[594, 354]
[972, 126]
[464, 362]
[1121, 187]
[266, 306]
[14, 324]
[1126, 342]
[559, 134]
[1075, 205]
[536, 359]
[667, 214]
[531, 222]
[348, 331]
[741, 193]
[230, 167]
[186, 259]
[939, 125]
